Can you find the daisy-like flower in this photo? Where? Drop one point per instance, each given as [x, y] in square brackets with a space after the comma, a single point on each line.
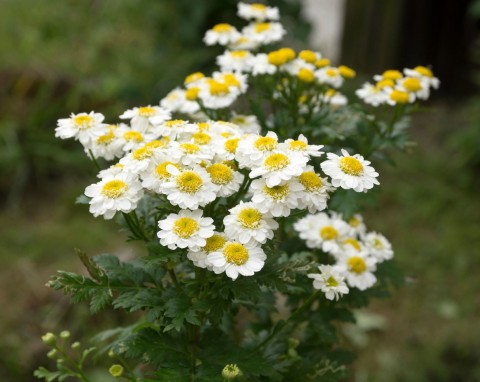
[226, 180]
[378, 246]
[372, 95]
[189, 154]
[334, 98]
[279, 167]
[260, 64]
[399, 95]
[109, 145]
[84, 127]
[423, 73]
[119, 192]
[301, 146]
[350, 172]
[329, 281]
[189, 188]
[264, 32]
[133, 139]
[214, 243]
[187, 229]
[217, 94]
[358, 268]
[248, 123]
[222, 34]
[139, 159]
[237, 259]
[111, 171]
[313, 194]
[322, 231]
[175, 128]
[357, 224]
[416, 86]
[256, 11]
[247, 224]
[182, 101]
[142, 117]
[330, 76]
[235, 60]
[255, 148]
[278, 200]
[243, 43]
[390, 74]
[156, 175]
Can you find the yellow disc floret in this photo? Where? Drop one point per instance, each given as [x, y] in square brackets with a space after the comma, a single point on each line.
[262, 27]
[133, 136]
[331, 282]
[276, 161]
[185, 227]
[346, 72]
[239, 54]
[146, 111]
[249, 218]
[266, 144]
[353, 242]
[214, 243]
[423, 71]
[308, 56]
[235, 253]
[106, 138]
[83, 121]
[391, 75]
[356, 264]
[191, 94]
[306, 75]
[328, 233]
[297, 145]
[142, 153]
[189, 182]
[194, 77]
[351, 166]
[259, 7]
[277, 192]
[288, 53]
[190, 148]
[310, 180]
[218, 88]
[231, 145]
[385, 83]
[161, 169]
[276, 58]
[220, 173]
[201, 138]
[222, 28]
[412, 84]
[114, 188]
[321, 63]
[399, 97]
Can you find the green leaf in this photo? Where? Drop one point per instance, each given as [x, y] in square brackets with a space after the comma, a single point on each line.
[48, 375]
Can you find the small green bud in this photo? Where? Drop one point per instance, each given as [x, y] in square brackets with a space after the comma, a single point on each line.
[76, 345]
[52, 353]
[231, 371]
[60, 361]
[293, 343]
[49, 338]
[111, 353]
[116, 370]
[65, 334]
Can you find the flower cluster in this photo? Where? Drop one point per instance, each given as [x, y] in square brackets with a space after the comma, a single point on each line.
[355, 251]
[394, 87]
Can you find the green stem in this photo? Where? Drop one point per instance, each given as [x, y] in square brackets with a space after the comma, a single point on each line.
[94, 161]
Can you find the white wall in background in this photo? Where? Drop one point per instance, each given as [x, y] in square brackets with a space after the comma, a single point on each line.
[327, 18]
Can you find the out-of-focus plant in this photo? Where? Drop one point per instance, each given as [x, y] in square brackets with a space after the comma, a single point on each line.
[230, 206]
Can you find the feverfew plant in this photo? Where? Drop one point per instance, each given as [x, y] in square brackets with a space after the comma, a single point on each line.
[245, 187]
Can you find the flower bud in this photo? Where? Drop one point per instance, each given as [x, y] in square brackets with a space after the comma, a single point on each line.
[116, 370]
[231, 371]
[49, 338]
[52, 353]
[65, 334]
[76, 345]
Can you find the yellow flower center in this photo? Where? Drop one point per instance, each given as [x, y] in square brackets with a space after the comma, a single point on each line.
[192, 93]
[214, 243]
[218, 88]
[249, 218]
[387, 82]
[161, 169]
[356, 264]
[399, 97]
[276, 161]
[203, 126]
[331, 72]
[392, 75]
[298, 145]
[377, 243]
[346, 72]
[114, 188]
[239, 54]
[322, 62]
[194, 77]
[351, 166]
[310, 180]
[220, 173]
[258, 7]
[106, 138]
[231, 79]
[277, 192]
[174, 122]
[235, 253]
[142, 153]
[354, 222]
[331, 282]
[133, 136]
[231, 145]
[308, 56]
[266, 143]
[288, 53]
[185, 227]
[328, 233]
[412, 84]
[201, 138]
[146, 111]
[262, 27]
[83, 121]
[277, 58]
[222, 28]
[189, 182]
[353, 242]
[424, 71]
[302, 99]
[190, 148]
[306, 75]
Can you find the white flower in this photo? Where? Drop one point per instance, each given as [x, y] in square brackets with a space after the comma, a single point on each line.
[139, 159]
[356, 222]
[156, 175]
[189, 154]
[264, 32]
[244, 43]
[425, 74]
[226, 180]
[350, 172]
[329, 76]
[189, 188]
[214, 243]
[217, 94]
[181, 101]
[175, 128]
[256, 11]
[278, 167]
[419, 87]
[329, 281]
[301, 146]
[334, 98]
[109, 145]
[111, 171]
[254, 148]
[247, 224]
[313, 194]
[378, 246]
[142, 117]
[278, 200]
[187, 229]
[372, 95]
[222, 34]
[235, 60]
[248, 123]
[261, 65]
[358, 268]
[132, 139]
[236, 258]
[119, 192]
[84, 127]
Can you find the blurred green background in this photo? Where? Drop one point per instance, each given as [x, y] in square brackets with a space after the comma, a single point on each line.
[58, 57]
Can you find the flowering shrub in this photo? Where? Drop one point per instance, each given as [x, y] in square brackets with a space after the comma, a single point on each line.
[255, 249]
